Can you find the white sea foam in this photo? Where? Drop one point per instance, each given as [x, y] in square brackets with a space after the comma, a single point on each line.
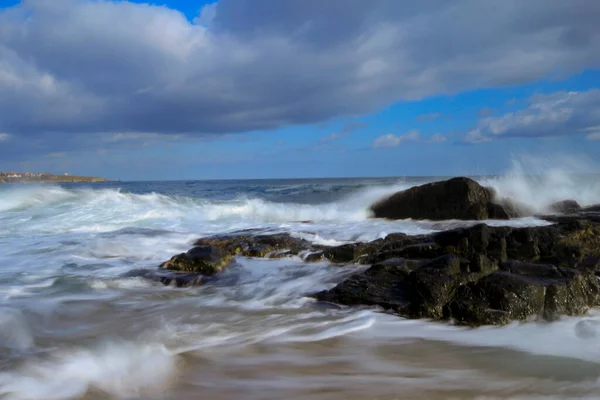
[63, 253]
[571, 337]
[122, 370]
[14, 330]
[540, 181]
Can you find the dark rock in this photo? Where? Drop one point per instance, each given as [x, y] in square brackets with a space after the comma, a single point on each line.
[590, 216]
[205, 260]
[565, 207]
[573, 296]
[457, 198]
[497, 211]
[476, 240]
[497, 299]
[341, 254]
[486, 275]
[258, 250]
[594, 208]
[381, 285]
[433, 285]
[314, 257]
[414, 251]
[531, 269]
[589, 264]
[509, 207]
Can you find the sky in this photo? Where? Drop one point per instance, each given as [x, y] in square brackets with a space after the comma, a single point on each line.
[238, 89]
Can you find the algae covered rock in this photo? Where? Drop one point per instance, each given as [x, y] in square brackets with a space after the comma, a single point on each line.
[205, 260]
[497, 299]
[257, 246]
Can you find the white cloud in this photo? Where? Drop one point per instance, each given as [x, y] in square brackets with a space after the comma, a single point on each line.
[593, 132]
[131, 136]
[437, 138]
[4, 137]
[207, 14]
[593, 136]
[332, 137]
[391, 140]
[555, 114]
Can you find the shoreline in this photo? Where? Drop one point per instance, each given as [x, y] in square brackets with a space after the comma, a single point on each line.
[20, 181]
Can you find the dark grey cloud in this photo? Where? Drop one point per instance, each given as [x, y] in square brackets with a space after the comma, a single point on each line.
[556, 114]
[85, 67]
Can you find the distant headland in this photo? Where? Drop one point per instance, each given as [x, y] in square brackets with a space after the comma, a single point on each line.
[31, 177]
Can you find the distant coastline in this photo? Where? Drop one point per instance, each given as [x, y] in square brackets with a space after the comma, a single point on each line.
[28, 177]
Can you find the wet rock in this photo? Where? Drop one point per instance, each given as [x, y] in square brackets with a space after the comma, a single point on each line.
[522, 292]
[565, 207]
[314, 256]
[257, 246]
[594, 208]
[279, 254]
[341, 254]
[433, 285]
[381, 285]
[258, 250]
[589, 216]
[457, 198]
[419, 251]
[485, 275]
[531, 269]
[507, 208]
[574, 295]
[205, 260]
[497, 299]
[589, 264]
[583, 237]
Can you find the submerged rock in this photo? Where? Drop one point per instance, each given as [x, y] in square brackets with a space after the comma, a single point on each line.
[457, 198]
[168, 278]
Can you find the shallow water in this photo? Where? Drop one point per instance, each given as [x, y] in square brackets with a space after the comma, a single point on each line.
[72, 327]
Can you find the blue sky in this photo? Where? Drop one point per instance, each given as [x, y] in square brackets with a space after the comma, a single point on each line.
[276, 89]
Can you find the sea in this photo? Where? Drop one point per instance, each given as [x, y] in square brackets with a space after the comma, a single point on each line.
[73, 325]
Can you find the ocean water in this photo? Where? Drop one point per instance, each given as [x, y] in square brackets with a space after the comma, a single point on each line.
[73, 327]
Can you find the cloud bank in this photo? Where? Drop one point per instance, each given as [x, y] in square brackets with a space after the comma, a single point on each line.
[83, 70]
[99, 66]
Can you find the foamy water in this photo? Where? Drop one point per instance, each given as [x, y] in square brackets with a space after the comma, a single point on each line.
[72, 326]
